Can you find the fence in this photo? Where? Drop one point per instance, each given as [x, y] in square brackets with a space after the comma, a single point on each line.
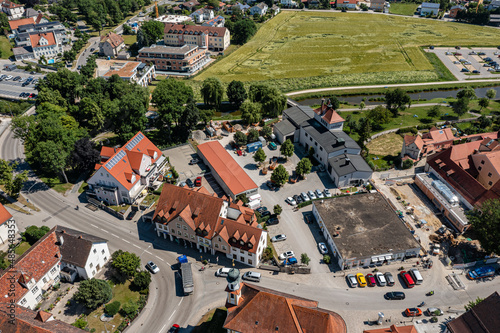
[476, 263]
[106, 208]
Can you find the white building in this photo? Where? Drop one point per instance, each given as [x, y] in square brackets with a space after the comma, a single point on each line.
[8, 227]
[83, 255]
[132, 71]
[259, 9]
[13, 10]
[429, 8]
[201, 15]
[289, 3]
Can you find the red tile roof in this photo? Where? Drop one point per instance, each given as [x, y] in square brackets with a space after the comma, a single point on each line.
[235, 178]
[482, 318]
[4, 215]
[113, 39]
[436, 135]
[29, 321]
[10, 5]
[393, 329]
[409, 139]
[35, 39]
[34, 263]
[14, 24]
[328, 114]
[289, 313]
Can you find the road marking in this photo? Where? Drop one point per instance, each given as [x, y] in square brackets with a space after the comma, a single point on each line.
[105, 231]
[126, 241]
[94, 225]
[159, 258]
[163, 328]
[114, 235]
[147, 251]
[136, 246]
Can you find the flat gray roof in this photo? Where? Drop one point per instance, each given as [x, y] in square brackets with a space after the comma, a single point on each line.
[331, 141]
[169, 49]
[367, 226]
[348, 163]
[285, 127]
[298, 114]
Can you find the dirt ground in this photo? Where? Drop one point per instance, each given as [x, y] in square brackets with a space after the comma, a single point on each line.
[388, 144]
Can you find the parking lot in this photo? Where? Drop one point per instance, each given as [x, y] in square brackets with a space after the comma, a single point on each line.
[472, 59]
[13, 89]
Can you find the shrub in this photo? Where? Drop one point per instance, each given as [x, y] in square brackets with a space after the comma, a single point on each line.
[326, 259]
[304, 258]
[112, 308]
[129, 309]
[141, 280]
[80, 323]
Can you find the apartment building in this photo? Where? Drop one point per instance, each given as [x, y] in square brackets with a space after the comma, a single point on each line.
[213, 38]
[184, 59]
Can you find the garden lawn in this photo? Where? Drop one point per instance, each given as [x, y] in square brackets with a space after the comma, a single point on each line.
[23, 247]
[5, 48]
[129, 39]
[388, 144]
[407, 9]
[301, 50]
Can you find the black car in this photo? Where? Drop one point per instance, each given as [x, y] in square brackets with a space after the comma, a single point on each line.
[298, 199]
[261, 210]
[17, 78]
[395, 295]
[265, 213]
[32, 72]
[272, 221]
[131, 215]
[431, 47]
[189, 183]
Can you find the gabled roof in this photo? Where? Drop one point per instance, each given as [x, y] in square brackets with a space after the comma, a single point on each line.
[35, 39]
[113, 39]
[196, 29]
[290, 314]
[29, 321]
[394, 329]
[14, 24]
[482, 318]
[437, 135]
[328, 114]
[76, 245]
[430, 5]
[347, 164]
[10, 4]
[416, 139]
[4, 215]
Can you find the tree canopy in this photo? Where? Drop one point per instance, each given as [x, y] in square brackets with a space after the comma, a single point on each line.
[259, 156]
[461, 106]
[236, 93]
[243, 30]
[303, 167]
[396, 100]
[169, 97]
[280, 175]
[486, 225]
[250, 112]
[34, 233]
[212, 92]
[126, 263]
[93, 293]
[12, 181]
[149, 32]
[287, 148]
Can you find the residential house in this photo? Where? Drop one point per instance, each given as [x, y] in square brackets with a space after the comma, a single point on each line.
[217, 21]
[289, 3]
[412, 146]
[259, 9]
[45, 45]
[132, 71]
[429, 8]
[23, 32]
[8, 227]
[377, 5]
[29, 321]
[484, 317]
[226, 171]
[213, 38]
[393, 329]
[243, 7]
[83, 255]
[125, 172]
[455, 9]
[374, 235]
[189, 5]
[14, 24]
[201, 15]
[33, 273]
[186, 59]
[111, 44]
[275, 10]
[13, 10]
[252, 308]
[347, 4]
[217, 225]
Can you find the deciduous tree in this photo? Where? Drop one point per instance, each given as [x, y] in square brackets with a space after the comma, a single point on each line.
[212, 92]
[277, 209]
[396, 100]
[486, 225]
[280, 175]
[259, 156]
[85, 155]
[266, 132]
[142, 280]
[93, 293]
[126, 263]
[434, 112]
[149, 33]
[34, 233]
[483, 103]
[236, 93]
[303, 167]
[243, 30]
[253, 135]
[240, 138]
[491, 93]
[287, 148]
[250, 112]
[461, 106]
[304, 258]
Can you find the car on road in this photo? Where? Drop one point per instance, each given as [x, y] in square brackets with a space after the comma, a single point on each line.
[476, 71]
[371, 280]
[152, 267]
[389, 279]
[189, 183]
[194, 161]
[434, 312]
[351, 280]
[197, 181]
[327, 193]
[261, 210]
[272, 220]
[395, 295]
[436, 249]
[131, 215]
[305, 196]
[380, 279]
[291, 201]
[322, 248]
[311, 195]
[278, 238]
[413, 312]
[465, 70]
[361, 280]
[222, 272]
[174, 329]
[287, 254]
[33, 72]
[319, 194]
[92, 49]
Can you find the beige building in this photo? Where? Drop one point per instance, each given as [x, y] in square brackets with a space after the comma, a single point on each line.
[213, 38]
[132, 71]
[111, 44]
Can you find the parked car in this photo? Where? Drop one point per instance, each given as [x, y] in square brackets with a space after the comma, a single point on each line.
[261, 210]
[481, 53]
[371, 280]
[327, 193]
[472, 52]
[319, 194]
[322, 248]
[291, 201]
[194, 161]
[434, 312]
[380, 279]
[436, 249]
[33, 72]
[174, 329]
[278, 238]
[389, 279]
[298, 199]
[251, 276]
[17, 78]
[182, 184]
[305, 196]
[308, 218]
[394, 295]
[152, 267]
[9, 77]
[448, 53]
[351, 279]
[272, 220]
[476, 71]
[311, 195]
[265, 213]
[92, 49]
[189, 183]
[21, 80]
[131, 215]
[456, 62]
[413, 312]
[457, 53]
[287, 254]
[361, 280]
[222, 272]
[465, 70]
[197, 181]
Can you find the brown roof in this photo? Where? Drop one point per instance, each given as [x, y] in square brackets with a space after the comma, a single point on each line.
[329, 114]
[4, 215]
[393, 329]
[10, 5]
[196, 29]
[35, 39]
[14, 24]
[409, 139]
[190, 4]
[235, 178]
[202, 211]
[289, 313]
[34, 263]
[482, 318]
[436, 135]
[126, 71]
[29, 321]
[113, 39]
[76, 245]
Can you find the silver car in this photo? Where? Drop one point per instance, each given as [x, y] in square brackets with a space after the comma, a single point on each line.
[319, 194]
[311, 195]
[327, 193]
[351, 279]
[305, 196]
[278, 238]
[322, 248]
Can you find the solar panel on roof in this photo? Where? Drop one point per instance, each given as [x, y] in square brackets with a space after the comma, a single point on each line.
[134, 141]
[115, 159]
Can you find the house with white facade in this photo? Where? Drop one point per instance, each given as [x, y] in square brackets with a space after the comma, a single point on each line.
[125, 172]
[201, 15]
[289, 3]
[83, 255]
[8, 227]
[33, 273]
[217, 21]
[412, 146]
[243, 7]
[218, 226]
[13, 10]
[131, 71]
[111, 44]
[428, 8]
[259, 9]
[41, 45]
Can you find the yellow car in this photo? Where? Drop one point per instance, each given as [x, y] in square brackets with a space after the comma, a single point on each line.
[361, 279]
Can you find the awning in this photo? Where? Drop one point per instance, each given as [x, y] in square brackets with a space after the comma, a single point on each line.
[374, 259]
[382, 258]
[389, 257]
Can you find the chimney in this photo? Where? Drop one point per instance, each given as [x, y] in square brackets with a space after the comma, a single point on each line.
[322, 103]
[347, 160]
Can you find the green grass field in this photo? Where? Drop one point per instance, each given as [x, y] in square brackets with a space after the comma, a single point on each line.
[5, 48]
[301, 50]
[129, 39]
[407, 9]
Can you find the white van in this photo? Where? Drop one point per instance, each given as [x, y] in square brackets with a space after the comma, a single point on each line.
[222, 272]
[254, 204]
[417, 277]
[254, 197]
[252, 276]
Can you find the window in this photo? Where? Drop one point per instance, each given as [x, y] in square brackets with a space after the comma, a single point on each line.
[223, 247]
[44, 280]
[179, 233]
[232, 296]
[316, 144]
[23, 301]
[306, 135]
[241, 251]
[216, 246]
[480, 168]
[91, 265]
[250, 261]
[95, 250]
[192, 237]
[178, 225]
[105, 258]
[53, 270]
[482, 162]
[310, 139]
[489, 174]
[39, 298]
[34, 290]
[235, 256]
[186, 235]
[185, 228]
[490, 183]
[102, 252]
[93, 272]
[242, 259]
[320, 148]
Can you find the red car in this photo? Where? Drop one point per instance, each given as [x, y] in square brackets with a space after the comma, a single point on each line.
[413, 312]
[408, 280]
[174, 329]
[197, 181]
[371, 280]
[458, 54]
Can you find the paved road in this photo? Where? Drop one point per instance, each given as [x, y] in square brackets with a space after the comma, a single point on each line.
[82, 59]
